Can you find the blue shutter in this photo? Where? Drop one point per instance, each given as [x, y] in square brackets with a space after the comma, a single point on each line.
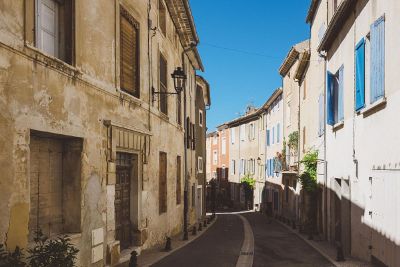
[267, 137]
[269, 167]
[278, 133]
[377, 59]
[341, 94]
[330, 118]
[360, 75]
[273, 135]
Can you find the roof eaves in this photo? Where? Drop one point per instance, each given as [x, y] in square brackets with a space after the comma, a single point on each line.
[304, 60]
[312, 10]
[288, 62]
[336, 24]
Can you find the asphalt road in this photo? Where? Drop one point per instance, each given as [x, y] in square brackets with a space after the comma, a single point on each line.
[220, 246]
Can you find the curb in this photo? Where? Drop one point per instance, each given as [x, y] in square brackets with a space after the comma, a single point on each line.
[323, 254]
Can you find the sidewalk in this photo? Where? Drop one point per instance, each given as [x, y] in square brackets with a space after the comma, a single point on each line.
[327, 250]
[151, 256]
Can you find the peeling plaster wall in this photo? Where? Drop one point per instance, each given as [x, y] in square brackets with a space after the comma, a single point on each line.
[39, 93]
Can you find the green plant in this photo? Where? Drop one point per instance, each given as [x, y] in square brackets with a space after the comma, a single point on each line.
[293, 140]
[308, 178]
[284, 154]
[58, 252]
[248, 181]
[8, 259]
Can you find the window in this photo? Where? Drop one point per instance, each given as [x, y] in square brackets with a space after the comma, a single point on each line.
[252, 131]
[268, 138]
[242, 167]
[201, 118]
[129, 54]
[335, 97]
[242, 132]
[178, 180]
[273, 135]
[54, 28]
[233, 135]
[163, 85]
[360, 75]
[55, 185]
[278, 133]
[215, 157]
[233, 167]
[200, 164]
[377, 70]
[215, 140]
[223, 146]
[162, 187]
[162, 17]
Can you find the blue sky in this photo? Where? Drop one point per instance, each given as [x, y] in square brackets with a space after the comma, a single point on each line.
[242, 45]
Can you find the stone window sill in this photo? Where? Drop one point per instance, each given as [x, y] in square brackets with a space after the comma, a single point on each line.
[130, 98]
[51, 61]
[374, 107]
[338, 126]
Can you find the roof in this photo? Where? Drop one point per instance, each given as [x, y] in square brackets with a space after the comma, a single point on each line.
[302, 67]
[312, 10]
[336, 24]
[244, 119]
[194, 57]
[292, 56]
[272, 98]
[183, 20]
[206, 89]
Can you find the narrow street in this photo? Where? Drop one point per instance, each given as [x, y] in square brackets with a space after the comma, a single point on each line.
[221, 245]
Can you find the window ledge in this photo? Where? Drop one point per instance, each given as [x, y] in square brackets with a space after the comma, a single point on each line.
[129, 98]
[338, 126]
[374, 107]
[51, 61]
[164, 116]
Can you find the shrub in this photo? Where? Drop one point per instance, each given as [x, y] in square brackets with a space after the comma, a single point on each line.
[8, 259]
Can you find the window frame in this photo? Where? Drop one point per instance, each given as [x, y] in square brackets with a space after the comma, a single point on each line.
[163, 106]
[200, 165]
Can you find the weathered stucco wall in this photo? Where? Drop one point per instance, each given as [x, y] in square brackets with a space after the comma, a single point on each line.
[38, 92]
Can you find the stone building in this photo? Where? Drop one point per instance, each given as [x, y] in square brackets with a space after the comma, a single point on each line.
[291, 87]
[89, 146]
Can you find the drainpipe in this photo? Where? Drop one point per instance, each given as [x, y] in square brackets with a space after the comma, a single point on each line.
[185, 192]
[325, 128]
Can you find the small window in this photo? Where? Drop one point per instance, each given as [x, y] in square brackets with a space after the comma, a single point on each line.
[233, 135]
[201, 118]
[215, 140]
[162, 17]
[129, 56]
[215, 157]
[163, 85]
[223, 146]
[233, 167]
[54, 28]
[200, 164]
[335, 97]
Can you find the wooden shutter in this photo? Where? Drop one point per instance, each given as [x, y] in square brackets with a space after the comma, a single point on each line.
[178, 180]
[162, 17]
[163, 85]
[377, 59]
[163, 182]
[360, 75]
[341, 95]
[47, 31]
[129, 62]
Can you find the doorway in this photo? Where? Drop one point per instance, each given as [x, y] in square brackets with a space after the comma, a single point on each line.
[123, 198]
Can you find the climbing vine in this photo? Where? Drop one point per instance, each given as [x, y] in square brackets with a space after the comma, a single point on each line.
[308, 178]
[293, 140]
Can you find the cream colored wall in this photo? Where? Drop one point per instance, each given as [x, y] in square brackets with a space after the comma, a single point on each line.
[371, 170]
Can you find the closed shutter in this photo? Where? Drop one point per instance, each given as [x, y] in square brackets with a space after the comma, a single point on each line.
[377, 59]
[341, 94]
[163, 183]
[188, 135]
[129, 62]
[268, 142]
[47, 18]
[330, 120]
[163, 85]
[360, 75]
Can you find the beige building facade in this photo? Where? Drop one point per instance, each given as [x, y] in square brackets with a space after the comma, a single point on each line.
[90, 148]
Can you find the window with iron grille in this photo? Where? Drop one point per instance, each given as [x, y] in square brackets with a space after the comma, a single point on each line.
[163, 85]
[129, 54]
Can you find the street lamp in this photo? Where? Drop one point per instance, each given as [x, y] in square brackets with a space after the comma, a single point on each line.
[179, 77]
[259, 161]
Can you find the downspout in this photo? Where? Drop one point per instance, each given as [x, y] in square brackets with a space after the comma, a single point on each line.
[325, 128]
[149, 56]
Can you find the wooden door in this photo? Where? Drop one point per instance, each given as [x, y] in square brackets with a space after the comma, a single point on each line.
[123, 199]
